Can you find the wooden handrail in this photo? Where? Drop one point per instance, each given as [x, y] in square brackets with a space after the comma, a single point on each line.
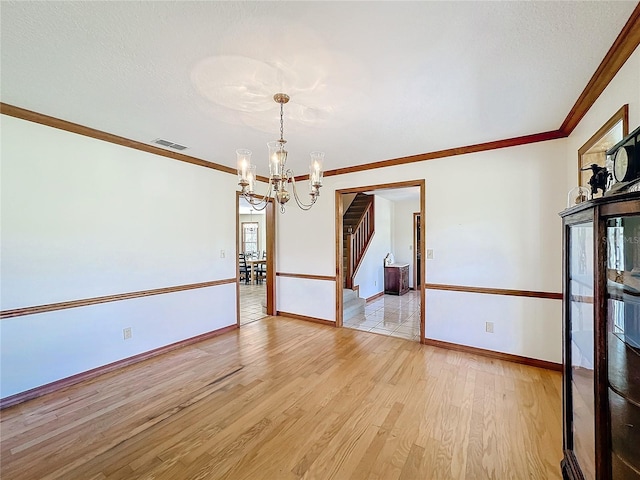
[358, 241]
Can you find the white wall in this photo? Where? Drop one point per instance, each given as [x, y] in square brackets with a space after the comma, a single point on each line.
[298, 291]
[39, 349]
[370, 275]
[403, 233]
[83, 218]
[393, 234]
[492, 221]
[623, 89]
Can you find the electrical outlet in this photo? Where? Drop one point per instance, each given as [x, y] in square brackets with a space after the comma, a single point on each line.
[429, 254]
[489, 327]
[126, 333]
[222, 254]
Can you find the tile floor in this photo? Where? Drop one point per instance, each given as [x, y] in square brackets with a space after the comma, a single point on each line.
[397, 316]
[251, 299]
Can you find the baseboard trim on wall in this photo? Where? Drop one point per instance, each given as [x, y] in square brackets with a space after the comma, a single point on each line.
[295, 316]
[509, 357]
[494, 291]
[96, 372]
[19, 312]
[373, 297]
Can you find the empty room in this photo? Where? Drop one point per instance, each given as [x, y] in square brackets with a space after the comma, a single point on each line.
[319, 240]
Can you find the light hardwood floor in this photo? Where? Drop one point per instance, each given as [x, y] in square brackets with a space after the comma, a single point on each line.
[288, 399]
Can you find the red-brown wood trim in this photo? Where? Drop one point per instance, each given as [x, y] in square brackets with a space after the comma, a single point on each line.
[60, 124]
[450, 152]
[372, 205]
[621, 115]
[295, 316]
[509, 357]
[494, 291]
[270, 247]
[270, 224]
[339, 245]
[423, 264]
[54, 122]
[623, 47]
[93, 373]
[308, 277]
[381, 186]
[373, 297]
[18, 312]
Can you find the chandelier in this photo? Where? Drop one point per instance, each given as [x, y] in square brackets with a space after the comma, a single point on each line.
[279, 175]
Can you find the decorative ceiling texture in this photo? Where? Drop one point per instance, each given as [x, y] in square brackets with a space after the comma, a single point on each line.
[369, 81]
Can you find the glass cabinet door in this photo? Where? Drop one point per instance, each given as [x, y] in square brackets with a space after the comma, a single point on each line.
[581, 354]
[623, 336]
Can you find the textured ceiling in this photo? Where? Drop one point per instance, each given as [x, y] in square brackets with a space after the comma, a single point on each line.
[368, 81]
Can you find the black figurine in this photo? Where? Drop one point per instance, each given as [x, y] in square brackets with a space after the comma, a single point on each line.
[599, 179]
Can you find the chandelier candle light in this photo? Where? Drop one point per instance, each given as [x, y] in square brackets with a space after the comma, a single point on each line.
[279, 175]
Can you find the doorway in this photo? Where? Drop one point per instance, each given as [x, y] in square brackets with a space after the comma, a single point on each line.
[417, 295]
[417, 255]
[255, 261]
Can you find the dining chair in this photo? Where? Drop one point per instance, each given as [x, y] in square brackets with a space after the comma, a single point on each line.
[261, 268]
[245, 274]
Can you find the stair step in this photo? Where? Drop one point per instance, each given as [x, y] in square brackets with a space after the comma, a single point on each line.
[348, 295]
[353, 307]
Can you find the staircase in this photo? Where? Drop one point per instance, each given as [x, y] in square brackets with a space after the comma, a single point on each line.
[358, 228]
[352, 304]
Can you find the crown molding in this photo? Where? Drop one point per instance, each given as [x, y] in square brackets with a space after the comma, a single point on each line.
[449, 152]
[623, 47]
[35, 117]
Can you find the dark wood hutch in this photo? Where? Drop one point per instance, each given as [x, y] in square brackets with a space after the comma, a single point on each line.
[601, 339]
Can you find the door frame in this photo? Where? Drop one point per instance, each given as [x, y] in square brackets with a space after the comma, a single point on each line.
[339, 212]
[416, 251]
[270, 247]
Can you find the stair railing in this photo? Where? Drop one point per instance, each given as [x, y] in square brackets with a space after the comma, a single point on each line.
[357, 241]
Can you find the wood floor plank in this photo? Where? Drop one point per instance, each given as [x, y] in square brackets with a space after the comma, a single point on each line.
[286, 399]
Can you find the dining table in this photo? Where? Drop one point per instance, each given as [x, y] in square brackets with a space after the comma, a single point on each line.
[253, 264]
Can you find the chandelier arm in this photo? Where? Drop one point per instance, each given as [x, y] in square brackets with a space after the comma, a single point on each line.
[259, 204]
[303, 206]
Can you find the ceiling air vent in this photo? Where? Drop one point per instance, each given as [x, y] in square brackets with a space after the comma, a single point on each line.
[167, 143]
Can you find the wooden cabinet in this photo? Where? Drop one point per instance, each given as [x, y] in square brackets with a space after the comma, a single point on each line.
[396, 279]
[601, 339]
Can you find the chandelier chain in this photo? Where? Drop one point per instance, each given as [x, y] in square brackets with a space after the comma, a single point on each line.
[281, 121]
